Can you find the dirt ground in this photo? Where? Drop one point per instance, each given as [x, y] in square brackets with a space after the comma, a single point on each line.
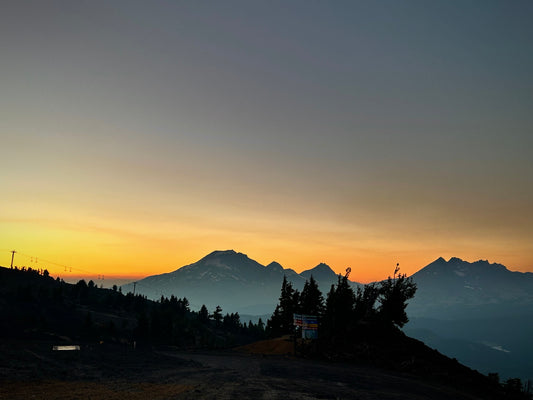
[34, 371]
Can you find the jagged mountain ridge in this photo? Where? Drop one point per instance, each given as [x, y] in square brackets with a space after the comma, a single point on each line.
[231, 280]
[457, 288]
[479, 313]
[449, 289]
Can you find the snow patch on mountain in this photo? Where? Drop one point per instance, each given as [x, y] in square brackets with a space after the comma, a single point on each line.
[496, 347]
[219, 263]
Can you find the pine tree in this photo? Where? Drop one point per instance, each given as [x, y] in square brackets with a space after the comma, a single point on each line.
[281, 322]
[395, 292]
[311, 299]
[288, 303]
[203, 314]
[217, 315]
[365, 301]
[339, 308]
[273, 326]
[260, 325]
[185, 304]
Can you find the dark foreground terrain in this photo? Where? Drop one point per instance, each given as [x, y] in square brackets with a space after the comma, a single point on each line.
[365, 359]
[34, 371]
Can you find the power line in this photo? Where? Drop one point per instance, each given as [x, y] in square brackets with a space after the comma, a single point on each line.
[67, 268]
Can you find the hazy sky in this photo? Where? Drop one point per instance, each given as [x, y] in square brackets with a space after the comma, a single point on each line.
[138, 136]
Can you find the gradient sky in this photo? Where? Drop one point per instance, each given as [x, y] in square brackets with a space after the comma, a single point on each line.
[138, 136]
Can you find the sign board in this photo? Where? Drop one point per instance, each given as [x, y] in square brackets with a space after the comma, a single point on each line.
[309, 325]
[306, 321]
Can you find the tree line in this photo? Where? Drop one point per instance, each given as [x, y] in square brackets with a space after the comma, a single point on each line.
[344, 311]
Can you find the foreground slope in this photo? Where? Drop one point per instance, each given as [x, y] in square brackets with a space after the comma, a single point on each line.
[381, 366]
[32, 370]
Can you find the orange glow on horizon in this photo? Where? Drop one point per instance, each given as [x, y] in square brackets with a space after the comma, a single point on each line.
[134, 265]
[122, 247]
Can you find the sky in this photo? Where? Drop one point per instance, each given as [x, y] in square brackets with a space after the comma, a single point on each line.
[137, 136]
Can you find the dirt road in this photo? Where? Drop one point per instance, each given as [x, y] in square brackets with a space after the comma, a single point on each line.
[230, 375]
[36, 372]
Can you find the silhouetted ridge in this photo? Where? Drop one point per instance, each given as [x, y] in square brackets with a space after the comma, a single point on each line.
[83, 312]
[455, 260]
[470, 290]
[321, 271]
[231, 280]
[460, 267]
[275, 266]
[218, 253]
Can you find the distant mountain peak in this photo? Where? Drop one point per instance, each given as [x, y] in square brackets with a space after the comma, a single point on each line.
[439, 262]
[232, 280]
[455, 260]
[461, 274]
[224, 256]
[459, 262]
[321, 271]
[221, 253]
[442, 263]
[275, 266]
[322, 267]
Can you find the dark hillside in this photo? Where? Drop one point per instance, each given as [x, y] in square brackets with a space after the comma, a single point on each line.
[38, 311]
[33, 305]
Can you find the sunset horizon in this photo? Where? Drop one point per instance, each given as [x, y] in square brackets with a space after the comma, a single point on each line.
[74, 271]
[177, 177]
[140, 137]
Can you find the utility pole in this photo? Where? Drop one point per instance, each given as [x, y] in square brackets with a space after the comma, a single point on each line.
[12, 257]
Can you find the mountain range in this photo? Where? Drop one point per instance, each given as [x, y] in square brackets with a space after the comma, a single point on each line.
[233, 281]
[480, 313]
[458, 289]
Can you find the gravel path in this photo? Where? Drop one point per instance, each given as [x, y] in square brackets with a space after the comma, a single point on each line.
[36, 372]
[230, 375]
